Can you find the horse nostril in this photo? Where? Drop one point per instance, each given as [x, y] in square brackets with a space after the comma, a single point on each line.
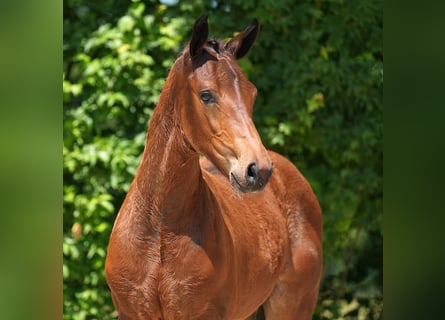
[252, 171]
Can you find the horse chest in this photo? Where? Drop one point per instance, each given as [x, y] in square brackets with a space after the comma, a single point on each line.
[189, 279]
[264, 249]
[232, 262]
[260, 250]
[259, 233]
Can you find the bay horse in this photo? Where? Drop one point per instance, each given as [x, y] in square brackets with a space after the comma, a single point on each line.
[207, 231]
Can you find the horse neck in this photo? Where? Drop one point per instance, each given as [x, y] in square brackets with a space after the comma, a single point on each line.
[169, 175]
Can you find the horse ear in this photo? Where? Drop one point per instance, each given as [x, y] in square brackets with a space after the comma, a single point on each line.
[240, 45]
[199, 35]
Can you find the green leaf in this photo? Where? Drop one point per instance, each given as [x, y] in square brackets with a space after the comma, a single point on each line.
[126, 23]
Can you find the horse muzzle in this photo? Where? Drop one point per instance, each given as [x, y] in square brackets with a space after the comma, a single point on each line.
[253, 178]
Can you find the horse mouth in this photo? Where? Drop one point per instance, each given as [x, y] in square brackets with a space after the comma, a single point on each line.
[247, 187]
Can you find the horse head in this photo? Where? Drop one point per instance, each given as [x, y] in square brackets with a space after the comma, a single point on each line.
[216, 113]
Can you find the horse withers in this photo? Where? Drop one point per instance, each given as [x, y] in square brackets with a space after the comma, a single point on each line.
[214, 225]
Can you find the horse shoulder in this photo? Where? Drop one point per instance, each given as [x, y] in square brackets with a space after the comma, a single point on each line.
[304, 221]
[294, 189]
[133, 262]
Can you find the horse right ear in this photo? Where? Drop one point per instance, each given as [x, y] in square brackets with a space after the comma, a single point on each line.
[240, 45]
[199, 35]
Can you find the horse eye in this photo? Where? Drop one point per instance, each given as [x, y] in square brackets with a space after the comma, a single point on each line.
[206, 97]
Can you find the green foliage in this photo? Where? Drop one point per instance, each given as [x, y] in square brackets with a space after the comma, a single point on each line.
[318, 67]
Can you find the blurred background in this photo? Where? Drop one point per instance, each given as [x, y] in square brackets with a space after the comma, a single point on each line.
[318, 67]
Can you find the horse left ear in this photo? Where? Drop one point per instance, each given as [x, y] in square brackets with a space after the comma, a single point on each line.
[199, 35]
[240, 45]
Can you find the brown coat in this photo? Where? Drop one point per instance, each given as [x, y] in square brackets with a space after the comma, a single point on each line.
[214, 237]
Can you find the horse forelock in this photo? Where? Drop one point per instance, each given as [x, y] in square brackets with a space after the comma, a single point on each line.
[213, 49]
[214, 44]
